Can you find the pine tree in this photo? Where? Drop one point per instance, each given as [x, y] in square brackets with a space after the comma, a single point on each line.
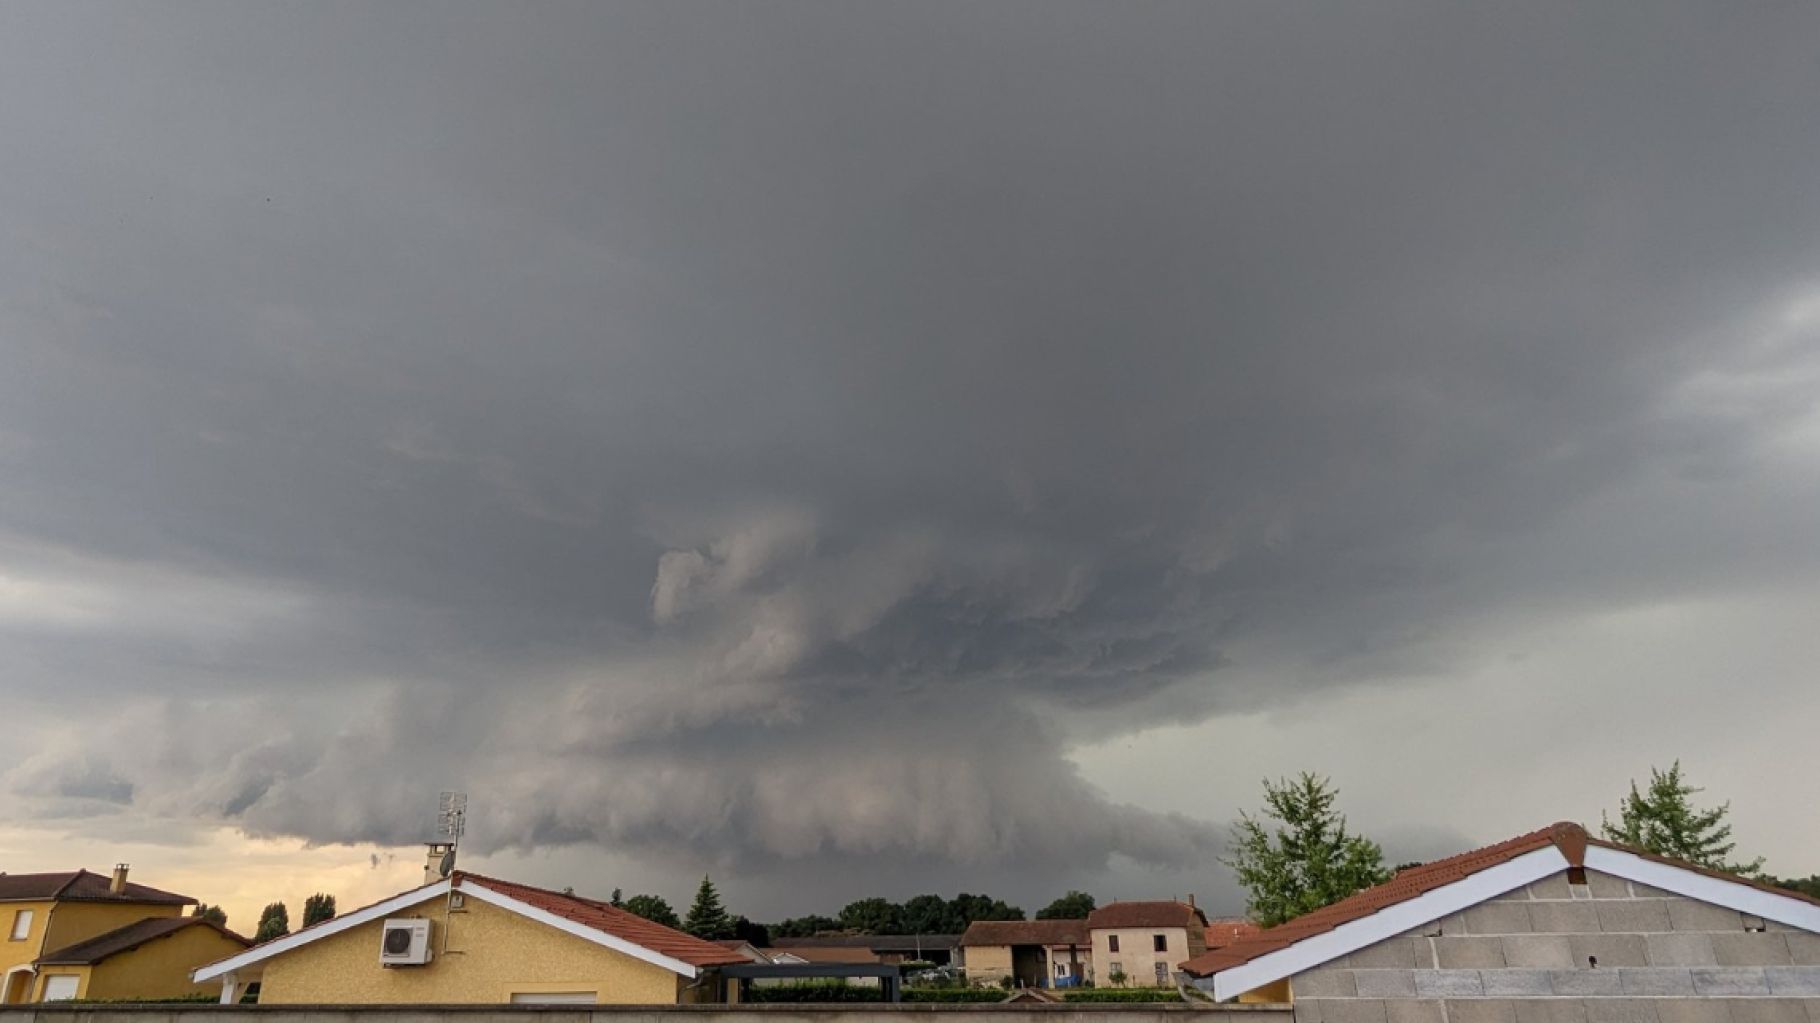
[274, 922]
[317, 908]
[213, 914]
[707, 917]
[618, 899]
[1307, 860]
[1664, 821]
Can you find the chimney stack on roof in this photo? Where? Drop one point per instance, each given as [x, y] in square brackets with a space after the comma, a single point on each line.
[117, 886]
[439, 862]
[1191, 904]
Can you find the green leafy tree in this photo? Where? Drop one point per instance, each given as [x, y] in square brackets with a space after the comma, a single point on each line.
[758, 935]
[1072, 906]
[1808, 886]
[317, 908]
[928, 914]
[1664, 821]
[963, 909]
[804, 926]
[707, 917]
[652, 908]
[873, 916]
[274, 922]
[1306, 859]
[213, 914]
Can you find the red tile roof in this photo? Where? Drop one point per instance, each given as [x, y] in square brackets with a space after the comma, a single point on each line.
[1168, 913]
[611, 920]
[125, 939]
[831, 954]
[1406, 885]
[1221, 933]
[81, 886]
[1567, 836]
[1025, 932]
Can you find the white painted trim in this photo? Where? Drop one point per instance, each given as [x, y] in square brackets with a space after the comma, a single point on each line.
[260, 953]
[583, 931]
[1731, 894]
[1388, 922]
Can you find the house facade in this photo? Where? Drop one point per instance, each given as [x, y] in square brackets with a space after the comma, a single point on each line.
[1032, 953]
[1138, 944]
[79, 934]
[1550, 926]
[470, 939]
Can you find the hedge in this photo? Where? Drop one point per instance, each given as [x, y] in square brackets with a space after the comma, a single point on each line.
[1123, 994]
[838, 991]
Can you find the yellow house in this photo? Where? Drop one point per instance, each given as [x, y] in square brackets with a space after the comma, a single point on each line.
[79, 934]
[467, 939]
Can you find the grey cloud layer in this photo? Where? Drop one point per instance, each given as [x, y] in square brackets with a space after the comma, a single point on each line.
[775, 433]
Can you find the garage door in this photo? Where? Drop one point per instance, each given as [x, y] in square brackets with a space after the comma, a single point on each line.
[59, 988]
[555, 998]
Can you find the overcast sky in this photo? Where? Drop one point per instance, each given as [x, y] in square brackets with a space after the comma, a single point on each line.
[863, 448]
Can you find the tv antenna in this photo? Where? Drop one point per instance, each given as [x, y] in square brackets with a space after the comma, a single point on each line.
[451, 824]
[452, 816]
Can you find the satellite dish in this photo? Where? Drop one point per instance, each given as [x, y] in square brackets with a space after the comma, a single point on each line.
[448, 863]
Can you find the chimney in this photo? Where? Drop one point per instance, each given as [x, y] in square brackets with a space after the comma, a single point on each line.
[439, 861]
[117, 886]
[1191, 900]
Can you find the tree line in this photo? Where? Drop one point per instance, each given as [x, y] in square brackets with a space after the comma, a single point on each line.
[923, 914]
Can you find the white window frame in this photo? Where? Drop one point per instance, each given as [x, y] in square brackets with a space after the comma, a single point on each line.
[60, 979]
[22, 925]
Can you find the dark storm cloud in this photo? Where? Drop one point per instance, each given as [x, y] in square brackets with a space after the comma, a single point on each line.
[774, 434]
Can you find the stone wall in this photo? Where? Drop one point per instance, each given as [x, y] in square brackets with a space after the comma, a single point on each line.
[906, 1013]
[1607, 951]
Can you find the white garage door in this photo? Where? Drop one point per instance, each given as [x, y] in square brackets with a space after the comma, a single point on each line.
[59, 988]
[554, 998]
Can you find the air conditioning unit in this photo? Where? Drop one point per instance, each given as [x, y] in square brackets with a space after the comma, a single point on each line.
[405, 943]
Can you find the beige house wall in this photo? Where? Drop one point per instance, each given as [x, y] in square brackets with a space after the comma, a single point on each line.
[986, 964]
[1137, 955]
[483, 954]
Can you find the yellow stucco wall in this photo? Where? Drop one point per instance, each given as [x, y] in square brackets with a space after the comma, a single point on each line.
[42, 980]
[987, 963]
[160, 968]
[58, 925]
[1276, 991]
[483, 954]
[79, 921]
[12, 953]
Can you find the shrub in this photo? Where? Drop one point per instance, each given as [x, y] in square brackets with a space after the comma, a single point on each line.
[1129, 994]
[952, 994]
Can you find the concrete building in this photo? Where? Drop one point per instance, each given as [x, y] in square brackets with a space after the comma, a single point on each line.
[79, 934]
[1550, 927]
[1141, 942]
[472, 939]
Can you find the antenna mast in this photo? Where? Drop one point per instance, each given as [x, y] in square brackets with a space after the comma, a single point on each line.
[451, 823]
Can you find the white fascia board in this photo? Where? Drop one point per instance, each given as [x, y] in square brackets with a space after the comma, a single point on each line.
[1731, 894]
[583, 931]
[276, 946]
[1388, 922]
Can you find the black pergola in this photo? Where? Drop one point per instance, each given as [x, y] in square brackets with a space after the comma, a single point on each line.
[889, 975]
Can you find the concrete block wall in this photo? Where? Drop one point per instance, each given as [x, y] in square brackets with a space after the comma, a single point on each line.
[1608, 951]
